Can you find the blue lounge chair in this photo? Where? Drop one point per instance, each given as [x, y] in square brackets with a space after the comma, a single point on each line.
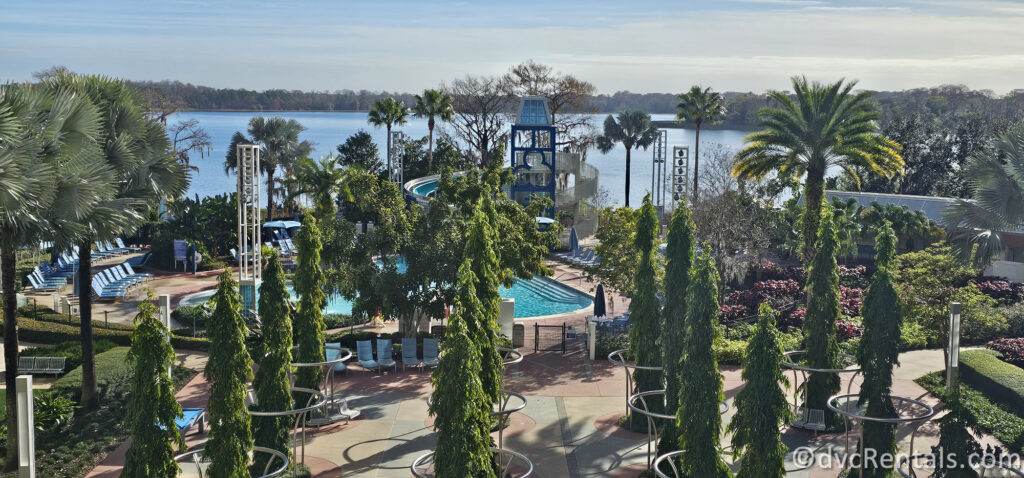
[40, 286]
[115, 249]
[189, 417]
[587, 256]
[49, 271]
[331, 353]
[384, 351]
[103, 293]
[430, 352]
[364, 351]
[38, 274]
[567, 255]
[131, 271]
[409, 353]
[120, 243]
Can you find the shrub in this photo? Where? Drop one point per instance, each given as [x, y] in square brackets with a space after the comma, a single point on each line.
[998, 380]
[111, 368]
[338, 321]
[70, 350]
[1005, 292]
[847, 330]
[191, 315]
[1012, 350]
[730, 351]
[994, 419]
[855, 277]
[851, 299]
[771, 271]
[980, 321]
[609, 344]
[55, 333]
[913, 336]
[1014, 315]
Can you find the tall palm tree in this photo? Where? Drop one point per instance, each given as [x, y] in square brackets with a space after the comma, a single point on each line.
[145, 171]
[388, 112]
[699, 105]
[320, 180]
[997, 205]
[633, 129]
[433, 104]
[280, 147]
[824, 126]
[49, 176]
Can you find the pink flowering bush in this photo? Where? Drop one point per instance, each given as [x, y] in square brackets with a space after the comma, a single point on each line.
[1012, 349]
[847, 330]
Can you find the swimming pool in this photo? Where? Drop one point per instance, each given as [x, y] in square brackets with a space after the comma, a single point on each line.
[534, 297]
[426, 188]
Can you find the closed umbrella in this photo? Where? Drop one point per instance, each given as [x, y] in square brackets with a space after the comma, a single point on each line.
[574, 239]
[599, 301]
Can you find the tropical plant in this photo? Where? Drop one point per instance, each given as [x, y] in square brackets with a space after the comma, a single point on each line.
[679, 252]
[699, 416]
[761, 406]
[824, 126]
[388, 112]
[309, 284]
[823, 309]
[632, 128]
[228, 369]
[997, 206]
[433, 104]
[270, 383]
[615, 232]
[460, 404]
[482, 327]
[320, 180]
[699, 105]
[48, 157]
[645, 313]
[877, 353]
[957, 445]
[280, 148]
[152, 408]
[360, 150]
[910, 226]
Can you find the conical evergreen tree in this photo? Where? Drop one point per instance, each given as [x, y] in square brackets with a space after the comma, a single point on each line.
[878, 353]
[823, 310]
[679, 252]
[270, 384]
[309, 326]
[152, 407]
[483, 327]
[761, 407]
[459, 403]
[645, 316]
[699, 417]
[956, 443]
[228, 369]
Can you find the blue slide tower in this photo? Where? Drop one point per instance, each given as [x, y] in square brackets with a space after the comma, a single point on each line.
[533, 152]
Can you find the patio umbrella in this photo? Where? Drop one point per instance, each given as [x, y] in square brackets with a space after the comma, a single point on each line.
[574, 239]
[281, 224]
[599, 301]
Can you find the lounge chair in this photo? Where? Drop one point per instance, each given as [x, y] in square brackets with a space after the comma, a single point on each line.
[331, 353]
[103, 293]
[567, 255]
[586, 257]
[41, 286]
[102, 251]
[49, 271]
[364, 351]
[234, 253]
[348, 413]
[189, 417]
[130, 270]
[120, 243]
[409, 353]
[291, 246]
[115, 249]
[430, 352]
[592, 262]
[384, 351]
[47, 280]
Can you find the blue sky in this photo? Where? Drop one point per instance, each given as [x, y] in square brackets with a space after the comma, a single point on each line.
[638, 45]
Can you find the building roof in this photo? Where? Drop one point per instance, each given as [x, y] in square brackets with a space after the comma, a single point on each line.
[932, 206]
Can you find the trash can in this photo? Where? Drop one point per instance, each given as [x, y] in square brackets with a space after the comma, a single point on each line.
[518, 335]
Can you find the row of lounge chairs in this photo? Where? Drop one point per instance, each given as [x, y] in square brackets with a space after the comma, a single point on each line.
[580, 257]
[384, 360]
[116, 282]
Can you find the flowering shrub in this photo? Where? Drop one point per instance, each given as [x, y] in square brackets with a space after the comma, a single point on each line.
[1003, 291]
[730, 313]
[770, 271]
[794, 318]
[1012, 349]
[851, 299]
[855, 277]
[847, 330]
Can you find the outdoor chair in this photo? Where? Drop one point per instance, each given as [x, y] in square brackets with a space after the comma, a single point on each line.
[331, 353]
[189, 417]
[116, 250]
[120, 243]
[51, 272]
[568, 255]
[409, 353]
[384, 350]
[430, 352]
[130, 270]
[364, 350]
[348, 413]
[40, 286]
[809, 418]
[586, 257]
[45, 280]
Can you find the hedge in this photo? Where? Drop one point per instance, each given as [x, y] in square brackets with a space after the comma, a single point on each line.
[994, 419]
[46, 314]
[998, 380]
[54, 333]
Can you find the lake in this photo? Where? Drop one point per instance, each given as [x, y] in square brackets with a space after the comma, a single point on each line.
[328, 129]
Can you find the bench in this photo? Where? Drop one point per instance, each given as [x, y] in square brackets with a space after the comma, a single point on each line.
[808, 418]
[41, 365]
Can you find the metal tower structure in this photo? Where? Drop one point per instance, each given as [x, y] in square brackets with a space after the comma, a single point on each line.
[250, 264]
[658, 178]
[533, 151]
[397, 168]
[680, 173]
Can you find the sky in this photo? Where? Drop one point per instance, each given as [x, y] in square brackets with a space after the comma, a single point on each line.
[409, 45]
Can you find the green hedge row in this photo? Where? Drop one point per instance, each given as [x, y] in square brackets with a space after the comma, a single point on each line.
[54, 333]
[46, 314]
[998, 380]
[994, 419]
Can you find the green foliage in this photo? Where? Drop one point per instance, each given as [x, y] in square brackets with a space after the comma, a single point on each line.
[360, 150]
[482, 326]
[71, 351]
[270, 384]
[761, 407]
[644, 343]
[460, 404]
[928, 280]
[823, 309]
[228, 369]
[632, 128]
[152, 407]
[879, 353]
[996, 420]
[980, 320]
[956, 443]
[699, 416]
[433, 105]
[46, 332]
[679, 252]
[608, 344]
[111, 368]
[309, 281]
[52, 411]
[280, 149]
[730, 352]
[211, 221]
[1000, 381]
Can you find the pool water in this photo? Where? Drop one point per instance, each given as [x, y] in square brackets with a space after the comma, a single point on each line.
[534, 297]
[426, 188]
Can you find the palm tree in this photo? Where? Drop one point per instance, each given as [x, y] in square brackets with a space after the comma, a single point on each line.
[387, 112]
[279, 148]
[908, 225]
[633, 129]
[319, 180]
[145, 171]
[825, 126]
[700, 105]
[997, 204]
[49, 176]
[433, 104]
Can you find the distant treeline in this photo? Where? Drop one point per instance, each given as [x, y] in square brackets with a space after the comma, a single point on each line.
[942, 101]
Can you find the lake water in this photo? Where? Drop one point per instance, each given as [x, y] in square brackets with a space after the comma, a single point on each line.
[328, 129]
